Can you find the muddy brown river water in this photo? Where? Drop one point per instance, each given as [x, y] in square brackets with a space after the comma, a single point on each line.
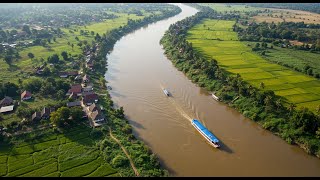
[138, 69]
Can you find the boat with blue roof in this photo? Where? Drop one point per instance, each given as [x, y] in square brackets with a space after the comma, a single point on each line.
[212, 139]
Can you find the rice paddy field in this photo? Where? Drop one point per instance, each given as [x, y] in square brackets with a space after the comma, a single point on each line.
[294, 58]
[71, 154]
[215, 39]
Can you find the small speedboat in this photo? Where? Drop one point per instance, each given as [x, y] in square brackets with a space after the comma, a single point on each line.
[166, 92]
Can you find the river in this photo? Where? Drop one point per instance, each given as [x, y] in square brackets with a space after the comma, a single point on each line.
[138, 69]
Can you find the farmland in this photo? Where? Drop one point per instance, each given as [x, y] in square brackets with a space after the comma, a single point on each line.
[273, 15]
[215, 39]
[295, 59]
[280, 15]
[54, 154]
[225, 8]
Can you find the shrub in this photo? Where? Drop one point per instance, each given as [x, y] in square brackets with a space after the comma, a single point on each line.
[120, 161]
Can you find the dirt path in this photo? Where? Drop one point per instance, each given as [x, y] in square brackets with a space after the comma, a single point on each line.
[125, 151]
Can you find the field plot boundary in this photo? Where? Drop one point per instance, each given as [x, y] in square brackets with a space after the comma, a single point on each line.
[240, 58]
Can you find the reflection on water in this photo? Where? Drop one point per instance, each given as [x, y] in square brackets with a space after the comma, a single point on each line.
[138, 70]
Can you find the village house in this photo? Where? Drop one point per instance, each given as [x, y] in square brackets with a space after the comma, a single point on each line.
[45, 113]
[6, 109]
[73, 73]
[89, 65]
[85, 79]
[73, 96]
[36, 116]
[6, 101]
[73, 104]
[76, 89]
[87, 89]
[78, 78]
[26, 95]
[89, 98]
[64, 74]
[95, 115]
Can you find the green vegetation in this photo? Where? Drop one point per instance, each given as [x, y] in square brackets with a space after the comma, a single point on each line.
[221, 43]
[226, 8]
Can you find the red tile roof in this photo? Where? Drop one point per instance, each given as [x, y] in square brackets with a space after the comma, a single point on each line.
[76, 88]
[25, 94]
[90, 98]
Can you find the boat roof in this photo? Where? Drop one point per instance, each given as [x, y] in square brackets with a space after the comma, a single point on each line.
[205, 131]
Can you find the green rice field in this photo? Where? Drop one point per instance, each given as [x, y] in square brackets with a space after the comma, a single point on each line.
[55, 155]
[215, 39]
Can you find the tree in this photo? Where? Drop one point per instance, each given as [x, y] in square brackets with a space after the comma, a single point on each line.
[53, 59]
[26, 29]
[64, 54]
[43, 42]
[60, 94]
[278, 103]
[79, 44]
[31, 55]
[60, 116]
[47, 88]
[46, 71]
[119, 113]
[291, 107]
[76, 113]
[318, 133]
[8, 59]
[262, 86]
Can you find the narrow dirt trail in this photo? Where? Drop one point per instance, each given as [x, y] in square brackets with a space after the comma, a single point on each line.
[125, 151]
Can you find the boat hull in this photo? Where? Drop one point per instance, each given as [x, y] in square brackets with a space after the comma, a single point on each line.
[204, 135]
[166, 92]
[215, 97]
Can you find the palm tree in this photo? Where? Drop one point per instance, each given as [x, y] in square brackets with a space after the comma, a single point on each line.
[267, 100]
[278, 103]
[252, 91]
[240, 85]
[318, 111]
[262, 85]
[291, 107]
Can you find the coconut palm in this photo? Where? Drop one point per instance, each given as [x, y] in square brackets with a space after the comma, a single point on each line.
[262, 86]
[278, 103]
[291, 107]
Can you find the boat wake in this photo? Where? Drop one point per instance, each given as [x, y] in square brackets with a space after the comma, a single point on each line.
[180, 110]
